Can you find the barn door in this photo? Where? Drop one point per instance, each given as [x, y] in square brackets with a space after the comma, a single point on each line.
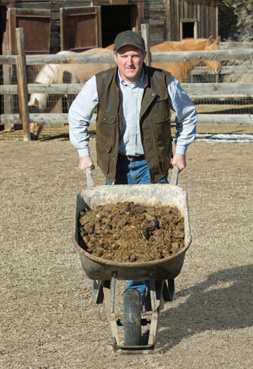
[80, 28]
[36, 24]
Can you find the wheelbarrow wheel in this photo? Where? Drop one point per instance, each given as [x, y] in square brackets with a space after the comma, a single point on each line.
[132, 317]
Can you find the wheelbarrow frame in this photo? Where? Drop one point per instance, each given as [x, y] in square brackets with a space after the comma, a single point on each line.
[161, 273]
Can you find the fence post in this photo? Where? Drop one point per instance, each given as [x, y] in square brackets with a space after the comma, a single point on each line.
[145, 35]
[22, 85]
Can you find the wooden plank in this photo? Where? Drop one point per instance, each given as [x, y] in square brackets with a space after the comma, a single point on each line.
[78, 59]
[33, 12]
[22, 85]
[55, 88]
[11, 28]
[226, 119]
[8, 59]
[233, 69]
[37, 118]
[194, 90]
[218, 89]
[111, 315]
[242, 54]
[205, 119]
[145, 35]
[8, 89]
[245, 54]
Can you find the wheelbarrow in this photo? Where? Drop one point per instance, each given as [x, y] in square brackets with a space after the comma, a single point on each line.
[106, 273]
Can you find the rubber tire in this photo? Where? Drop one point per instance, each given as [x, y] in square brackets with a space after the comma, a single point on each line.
[132, 317]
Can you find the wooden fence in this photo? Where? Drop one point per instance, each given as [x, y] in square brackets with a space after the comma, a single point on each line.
[195, 90]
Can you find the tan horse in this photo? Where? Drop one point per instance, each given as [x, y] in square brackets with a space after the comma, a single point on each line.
[67, 73]
[181, 70]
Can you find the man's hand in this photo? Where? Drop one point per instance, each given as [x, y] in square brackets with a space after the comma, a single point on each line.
[84, 163]
[179, 161]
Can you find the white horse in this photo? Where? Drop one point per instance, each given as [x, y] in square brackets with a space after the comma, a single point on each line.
[67, 73]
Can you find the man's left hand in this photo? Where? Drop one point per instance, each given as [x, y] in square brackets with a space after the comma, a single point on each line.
[179, 160]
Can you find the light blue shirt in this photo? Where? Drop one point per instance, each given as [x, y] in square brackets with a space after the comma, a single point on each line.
[82, 108]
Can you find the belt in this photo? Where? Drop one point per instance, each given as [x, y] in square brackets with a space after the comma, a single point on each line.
[130, 157]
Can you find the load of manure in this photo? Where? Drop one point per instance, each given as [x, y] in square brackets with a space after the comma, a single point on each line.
[130, 232]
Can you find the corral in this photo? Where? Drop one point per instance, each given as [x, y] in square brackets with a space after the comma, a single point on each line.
[213, 100]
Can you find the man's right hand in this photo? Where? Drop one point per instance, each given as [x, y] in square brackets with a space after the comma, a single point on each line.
[84, 163]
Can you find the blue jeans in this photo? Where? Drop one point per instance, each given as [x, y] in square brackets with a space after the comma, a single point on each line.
[134, 172]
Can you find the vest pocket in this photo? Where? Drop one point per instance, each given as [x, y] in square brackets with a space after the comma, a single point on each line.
[105, 119]
[162, 138]
[105, 131]
[161, 130]
[104, 147]
[105, 140]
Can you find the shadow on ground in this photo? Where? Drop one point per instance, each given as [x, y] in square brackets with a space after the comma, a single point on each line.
[221, 302]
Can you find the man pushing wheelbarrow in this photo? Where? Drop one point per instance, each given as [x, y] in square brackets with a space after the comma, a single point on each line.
[133, 129]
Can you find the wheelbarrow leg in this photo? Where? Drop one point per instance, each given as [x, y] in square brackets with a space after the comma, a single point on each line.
[168, 290]
[109, 290]
[156, 288]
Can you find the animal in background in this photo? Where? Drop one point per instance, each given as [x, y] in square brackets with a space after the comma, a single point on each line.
[66, 73]
[181, 70]
[80, 73]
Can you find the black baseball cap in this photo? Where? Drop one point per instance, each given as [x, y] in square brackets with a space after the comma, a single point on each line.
[129, 38]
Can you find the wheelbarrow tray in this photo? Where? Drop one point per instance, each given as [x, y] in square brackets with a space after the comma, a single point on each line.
[97, 268]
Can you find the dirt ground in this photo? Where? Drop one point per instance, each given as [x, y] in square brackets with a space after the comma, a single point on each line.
[48, 316]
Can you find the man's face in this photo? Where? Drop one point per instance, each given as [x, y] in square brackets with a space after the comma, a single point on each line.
[130, 60]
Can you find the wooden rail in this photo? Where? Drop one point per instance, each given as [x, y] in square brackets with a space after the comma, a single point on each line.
[203, 119]
[226, 70]
[171, 56]
[194, 90]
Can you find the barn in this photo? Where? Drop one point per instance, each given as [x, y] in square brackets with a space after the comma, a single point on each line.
[50, 26]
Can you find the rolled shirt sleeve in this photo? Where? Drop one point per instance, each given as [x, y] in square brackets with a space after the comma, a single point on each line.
[79, 116]
[186, 116]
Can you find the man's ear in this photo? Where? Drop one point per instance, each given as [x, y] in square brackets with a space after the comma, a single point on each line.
[115, 57]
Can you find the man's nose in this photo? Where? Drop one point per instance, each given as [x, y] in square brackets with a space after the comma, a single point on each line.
[129, 60]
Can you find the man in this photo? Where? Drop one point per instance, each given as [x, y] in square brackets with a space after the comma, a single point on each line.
[133, 135]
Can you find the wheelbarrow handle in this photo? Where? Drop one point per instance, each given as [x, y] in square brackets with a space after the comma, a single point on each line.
[174, 176]
[89, 177]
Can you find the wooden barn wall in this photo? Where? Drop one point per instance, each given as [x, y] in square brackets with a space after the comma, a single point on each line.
[205, 12]
[155, 16]
[163, 16]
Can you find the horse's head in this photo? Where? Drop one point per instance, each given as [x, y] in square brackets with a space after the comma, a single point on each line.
[213, 65]
[38, 101]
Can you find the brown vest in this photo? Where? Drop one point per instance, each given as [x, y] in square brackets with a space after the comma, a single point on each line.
[154, 123]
